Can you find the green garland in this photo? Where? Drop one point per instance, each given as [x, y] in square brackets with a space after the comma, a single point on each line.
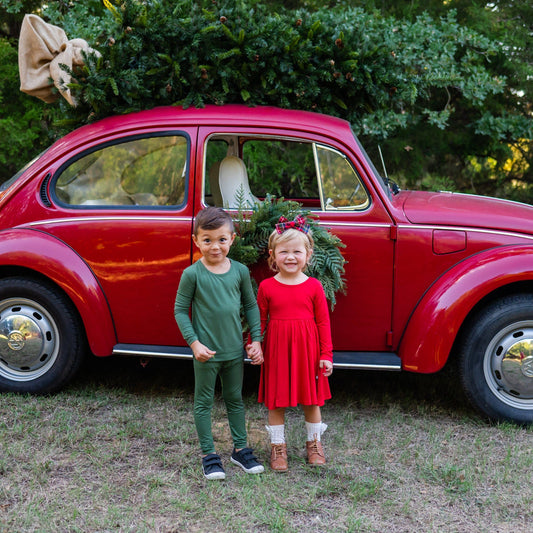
[254, 227]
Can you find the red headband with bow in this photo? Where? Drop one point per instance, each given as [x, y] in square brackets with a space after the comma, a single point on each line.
[298, 223]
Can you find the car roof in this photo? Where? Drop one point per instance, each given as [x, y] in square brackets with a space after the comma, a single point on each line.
[174, 117]
[231, 114]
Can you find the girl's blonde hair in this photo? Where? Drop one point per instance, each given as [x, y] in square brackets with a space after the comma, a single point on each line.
[276, 239]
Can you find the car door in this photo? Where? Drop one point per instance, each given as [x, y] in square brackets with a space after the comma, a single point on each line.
[126, 206]
[333, 183]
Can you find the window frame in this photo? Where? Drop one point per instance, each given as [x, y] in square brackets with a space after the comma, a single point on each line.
[237, 149]
[350, 208]
[115, 142]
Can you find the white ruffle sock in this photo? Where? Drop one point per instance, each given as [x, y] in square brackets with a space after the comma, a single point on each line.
[277, 434]
[314, 430]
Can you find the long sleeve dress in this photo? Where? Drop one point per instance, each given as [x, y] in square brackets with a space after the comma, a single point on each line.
[297, 334]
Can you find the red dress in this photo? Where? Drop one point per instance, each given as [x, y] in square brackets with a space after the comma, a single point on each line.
[297, 336]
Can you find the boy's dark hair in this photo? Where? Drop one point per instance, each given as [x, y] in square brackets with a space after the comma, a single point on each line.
[212, 218]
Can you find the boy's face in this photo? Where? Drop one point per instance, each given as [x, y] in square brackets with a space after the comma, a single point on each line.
[214, 244]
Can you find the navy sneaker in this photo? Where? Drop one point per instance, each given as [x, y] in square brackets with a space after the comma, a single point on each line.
[247, 461]
[212, 467]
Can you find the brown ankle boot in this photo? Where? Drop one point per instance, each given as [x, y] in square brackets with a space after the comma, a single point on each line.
[315, 453]
[278, 458]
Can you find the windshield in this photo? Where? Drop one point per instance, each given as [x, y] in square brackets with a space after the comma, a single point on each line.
[384, 182]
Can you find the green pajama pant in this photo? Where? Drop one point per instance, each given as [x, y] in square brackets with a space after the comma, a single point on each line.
[231, 376]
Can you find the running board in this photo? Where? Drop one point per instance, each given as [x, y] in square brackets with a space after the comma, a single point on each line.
[347, 360]
[148, 350]
[367, 361]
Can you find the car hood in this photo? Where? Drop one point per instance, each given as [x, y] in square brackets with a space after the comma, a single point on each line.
[454, 209]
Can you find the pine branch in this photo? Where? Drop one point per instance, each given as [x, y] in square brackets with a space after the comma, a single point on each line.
[253, 230]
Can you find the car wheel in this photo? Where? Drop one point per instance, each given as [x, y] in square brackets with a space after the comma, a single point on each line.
[41, 342]
[496, 360]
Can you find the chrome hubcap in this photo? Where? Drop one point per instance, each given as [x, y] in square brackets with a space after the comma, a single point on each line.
[508, 365]
[28, 340]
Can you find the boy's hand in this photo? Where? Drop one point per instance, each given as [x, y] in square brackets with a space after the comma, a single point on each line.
[327, 366]
[201, 352]
[255, 353]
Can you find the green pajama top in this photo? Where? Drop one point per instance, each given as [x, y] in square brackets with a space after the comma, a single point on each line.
[216, 300]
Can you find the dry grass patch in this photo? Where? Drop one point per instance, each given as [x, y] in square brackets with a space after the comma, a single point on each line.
[117, 452]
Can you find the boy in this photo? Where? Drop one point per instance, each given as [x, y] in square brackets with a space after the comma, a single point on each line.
[214, 287]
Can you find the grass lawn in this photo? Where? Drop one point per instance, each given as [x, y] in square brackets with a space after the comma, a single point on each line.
[117, 451]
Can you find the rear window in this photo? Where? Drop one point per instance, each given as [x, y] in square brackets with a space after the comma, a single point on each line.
[4, 186]
[148, 171]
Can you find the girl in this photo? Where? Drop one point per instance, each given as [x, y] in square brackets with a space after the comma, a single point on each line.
[297, 344]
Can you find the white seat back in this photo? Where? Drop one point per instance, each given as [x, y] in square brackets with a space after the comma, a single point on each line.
[233, 182]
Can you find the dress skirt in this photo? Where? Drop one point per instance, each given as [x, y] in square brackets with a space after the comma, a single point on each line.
[292, 344]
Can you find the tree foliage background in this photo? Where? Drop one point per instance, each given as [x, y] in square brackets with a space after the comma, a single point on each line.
[444, 87]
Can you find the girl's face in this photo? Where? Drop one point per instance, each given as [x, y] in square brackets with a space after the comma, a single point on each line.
[291, 257]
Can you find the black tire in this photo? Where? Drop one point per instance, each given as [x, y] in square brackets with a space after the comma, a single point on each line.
[496, 360]
[41, 339]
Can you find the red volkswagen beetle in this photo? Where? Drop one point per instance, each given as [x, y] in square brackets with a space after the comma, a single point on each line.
[95, 233]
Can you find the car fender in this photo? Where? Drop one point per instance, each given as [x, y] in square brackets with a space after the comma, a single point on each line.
[435, 322]
[40, 252]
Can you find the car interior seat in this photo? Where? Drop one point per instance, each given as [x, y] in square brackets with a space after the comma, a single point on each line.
[234, 185]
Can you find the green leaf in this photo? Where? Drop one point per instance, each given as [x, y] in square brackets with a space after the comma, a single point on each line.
[114, 86]
[340, 103]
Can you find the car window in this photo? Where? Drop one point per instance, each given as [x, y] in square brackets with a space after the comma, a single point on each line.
[245, 171]
[216, 151]
[147, 171]
[281, 168]
[6, 184]
[341, 186]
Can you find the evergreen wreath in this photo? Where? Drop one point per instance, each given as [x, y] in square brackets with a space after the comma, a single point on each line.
[253, 228]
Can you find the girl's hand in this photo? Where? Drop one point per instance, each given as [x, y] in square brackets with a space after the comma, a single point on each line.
[255, 353]
[201, 352]
[327, 366]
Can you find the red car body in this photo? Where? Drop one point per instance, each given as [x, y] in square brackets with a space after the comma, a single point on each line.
[423, 268]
